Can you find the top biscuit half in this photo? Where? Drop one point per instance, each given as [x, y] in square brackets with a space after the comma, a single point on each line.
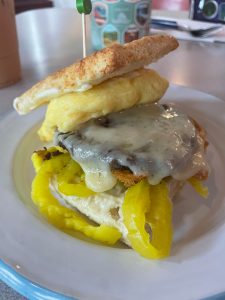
[96, 68]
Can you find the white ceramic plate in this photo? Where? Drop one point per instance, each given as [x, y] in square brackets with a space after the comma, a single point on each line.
[46, 256]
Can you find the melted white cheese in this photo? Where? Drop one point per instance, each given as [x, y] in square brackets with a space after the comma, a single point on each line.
[55, 91]
[152, 140]
[83, 87]
[47, 93]
[98, 176]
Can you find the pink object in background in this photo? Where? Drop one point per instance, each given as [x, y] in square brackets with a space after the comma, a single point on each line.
[170, 4]
[10, 71]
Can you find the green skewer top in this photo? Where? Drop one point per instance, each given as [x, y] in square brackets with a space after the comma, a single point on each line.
[84, 6]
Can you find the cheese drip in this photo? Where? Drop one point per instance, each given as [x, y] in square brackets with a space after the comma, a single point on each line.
[151, 140]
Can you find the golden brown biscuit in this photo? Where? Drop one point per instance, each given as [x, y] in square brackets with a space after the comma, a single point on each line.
[96, 68]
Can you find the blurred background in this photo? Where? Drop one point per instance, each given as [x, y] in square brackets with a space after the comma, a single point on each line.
[23, 5]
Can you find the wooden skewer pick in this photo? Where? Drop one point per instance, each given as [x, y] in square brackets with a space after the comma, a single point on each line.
[84, 7]
[84, 36]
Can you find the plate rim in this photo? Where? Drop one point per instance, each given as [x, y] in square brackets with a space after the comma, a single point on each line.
[26, 287]
[34, 291]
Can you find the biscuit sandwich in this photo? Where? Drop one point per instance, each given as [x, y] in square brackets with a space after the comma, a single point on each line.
[119, 157]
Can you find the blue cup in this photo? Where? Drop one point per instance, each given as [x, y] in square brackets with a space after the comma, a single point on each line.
[119, 21]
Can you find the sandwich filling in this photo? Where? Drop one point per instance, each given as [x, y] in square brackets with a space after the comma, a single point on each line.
[140, 215]
[118, 159]
[153, 141]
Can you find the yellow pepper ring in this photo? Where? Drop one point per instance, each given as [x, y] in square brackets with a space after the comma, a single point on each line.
[199, 187]
[62, 217]
[65, 180]
[144, 206]
[138, 209]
